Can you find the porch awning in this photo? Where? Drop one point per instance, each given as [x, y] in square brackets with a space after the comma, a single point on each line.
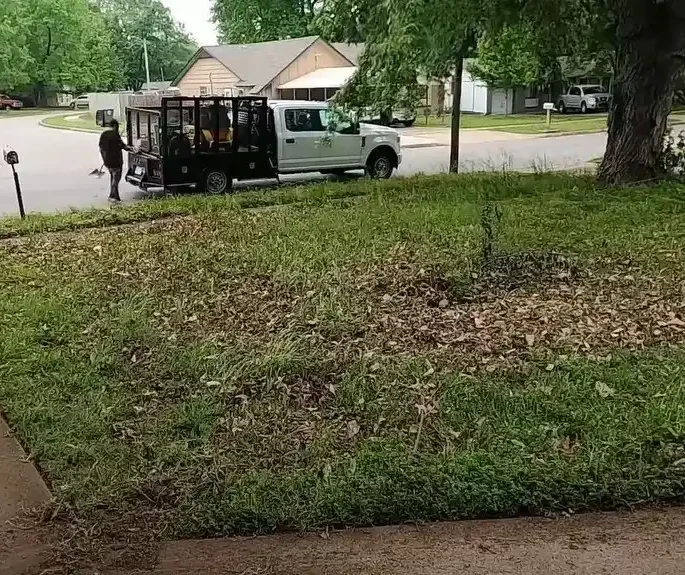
[321, 78]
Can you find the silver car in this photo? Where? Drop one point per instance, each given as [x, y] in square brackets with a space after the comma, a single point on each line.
[585, 98]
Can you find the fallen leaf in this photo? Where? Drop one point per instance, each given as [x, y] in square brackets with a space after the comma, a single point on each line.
[603, 389]
[530, 339]
[352, 428]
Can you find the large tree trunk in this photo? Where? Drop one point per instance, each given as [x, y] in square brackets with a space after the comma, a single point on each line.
[650, 55]
[456, 114]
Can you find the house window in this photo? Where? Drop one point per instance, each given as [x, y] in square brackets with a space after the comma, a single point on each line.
[330, 92]
[228, 92]
[301, 94]
[287, 94]
[203, 91]
[532, 92]
[317, 94]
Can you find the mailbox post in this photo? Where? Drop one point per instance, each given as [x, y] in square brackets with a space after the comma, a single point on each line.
[549, 107]
[12, 159]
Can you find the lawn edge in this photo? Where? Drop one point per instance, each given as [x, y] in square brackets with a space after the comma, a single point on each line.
[45, 124]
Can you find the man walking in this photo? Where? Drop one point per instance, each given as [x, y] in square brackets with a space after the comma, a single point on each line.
[111, 148]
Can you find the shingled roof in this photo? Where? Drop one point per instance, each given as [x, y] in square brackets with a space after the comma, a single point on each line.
[257, 64]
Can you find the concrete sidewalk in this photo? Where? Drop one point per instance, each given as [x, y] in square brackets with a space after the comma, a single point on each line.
[22, 489]
[429, 137]
[642, 543]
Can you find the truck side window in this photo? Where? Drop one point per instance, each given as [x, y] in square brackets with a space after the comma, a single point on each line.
[575, 91]
[303, 120]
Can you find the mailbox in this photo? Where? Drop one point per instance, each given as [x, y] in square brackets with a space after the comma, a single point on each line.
[548, 106]
[104, 117]
[10, 156]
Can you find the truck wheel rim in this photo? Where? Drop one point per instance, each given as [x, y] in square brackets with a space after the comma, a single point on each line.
[216, 182]
[381, 167]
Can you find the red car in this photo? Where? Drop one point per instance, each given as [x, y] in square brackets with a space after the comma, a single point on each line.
[7, 103]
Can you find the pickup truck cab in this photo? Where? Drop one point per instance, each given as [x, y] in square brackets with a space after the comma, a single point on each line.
[585, 98]
[207, 142]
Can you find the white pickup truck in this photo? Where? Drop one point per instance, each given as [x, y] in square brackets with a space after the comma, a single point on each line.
[208, 142]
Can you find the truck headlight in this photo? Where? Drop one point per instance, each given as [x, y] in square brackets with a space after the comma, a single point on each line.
[591, 101]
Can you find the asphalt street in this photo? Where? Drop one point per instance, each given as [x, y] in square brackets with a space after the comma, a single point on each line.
[54, 164]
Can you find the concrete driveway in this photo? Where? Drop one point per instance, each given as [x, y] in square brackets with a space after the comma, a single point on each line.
[54, 164]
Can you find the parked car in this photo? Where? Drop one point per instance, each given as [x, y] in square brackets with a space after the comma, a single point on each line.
[7, 103]
[585, 98]
[80, 103]
[208, 142]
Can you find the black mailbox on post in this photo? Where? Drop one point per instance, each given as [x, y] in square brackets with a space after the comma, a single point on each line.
[104, 117]
[10, 157]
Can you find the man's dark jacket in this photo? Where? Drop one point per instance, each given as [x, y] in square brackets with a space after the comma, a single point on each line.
[111, 146]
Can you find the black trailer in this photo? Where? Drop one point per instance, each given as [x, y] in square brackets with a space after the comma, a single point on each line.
[204, 142]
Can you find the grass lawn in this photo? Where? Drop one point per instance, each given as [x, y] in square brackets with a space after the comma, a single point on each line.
[560, 124]
[475, 121]
[353, 362]
[81, 121]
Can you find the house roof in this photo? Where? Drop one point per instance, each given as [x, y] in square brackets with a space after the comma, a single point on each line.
[257, 64]
[322, 78]
[350, 51]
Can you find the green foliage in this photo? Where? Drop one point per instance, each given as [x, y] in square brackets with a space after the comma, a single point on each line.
[513, 56]
[403, 40]
[246, 21]
[131, 21]
[15, 58]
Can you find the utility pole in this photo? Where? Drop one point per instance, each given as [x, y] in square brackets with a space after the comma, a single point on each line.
[147, 63]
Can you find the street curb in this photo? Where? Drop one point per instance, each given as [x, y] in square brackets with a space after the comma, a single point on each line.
[67, 128]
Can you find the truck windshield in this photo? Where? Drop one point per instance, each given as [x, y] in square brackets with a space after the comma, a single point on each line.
[594, 90]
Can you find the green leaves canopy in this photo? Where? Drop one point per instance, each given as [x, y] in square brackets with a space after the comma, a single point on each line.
[169, 45]
[247, 21]
[514, 56]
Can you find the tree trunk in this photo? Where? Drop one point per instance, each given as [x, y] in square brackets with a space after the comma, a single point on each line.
[650, 56]
[456, 114]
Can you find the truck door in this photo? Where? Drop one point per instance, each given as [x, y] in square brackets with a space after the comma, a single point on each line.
[574, 97]
[300, 140]
[341, 146]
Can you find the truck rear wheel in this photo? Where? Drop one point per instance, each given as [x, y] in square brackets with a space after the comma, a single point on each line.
[380, 165]
[216, 182]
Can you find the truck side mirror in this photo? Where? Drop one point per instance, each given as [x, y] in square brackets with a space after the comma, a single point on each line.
[10, 156]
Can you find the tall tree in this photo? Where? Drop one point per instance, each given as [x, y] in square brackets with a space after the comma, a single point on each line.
[15, 58]
[133, 21]
[405, 39]
[645, 35]
[514, 57]
[69, 46]
[247, 21]
[649, 41]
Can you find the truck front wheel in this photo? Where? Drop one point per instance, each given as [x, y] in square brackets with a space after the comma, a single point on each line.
[562, 107]
[380, 165]
[216, 182]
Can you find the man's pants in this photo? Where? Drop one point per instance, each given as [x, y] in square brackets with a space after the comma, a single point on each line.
[114, 179]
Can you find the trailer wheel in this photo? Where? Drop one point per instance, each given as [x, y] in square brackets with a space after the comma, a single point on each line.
[216, 182]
